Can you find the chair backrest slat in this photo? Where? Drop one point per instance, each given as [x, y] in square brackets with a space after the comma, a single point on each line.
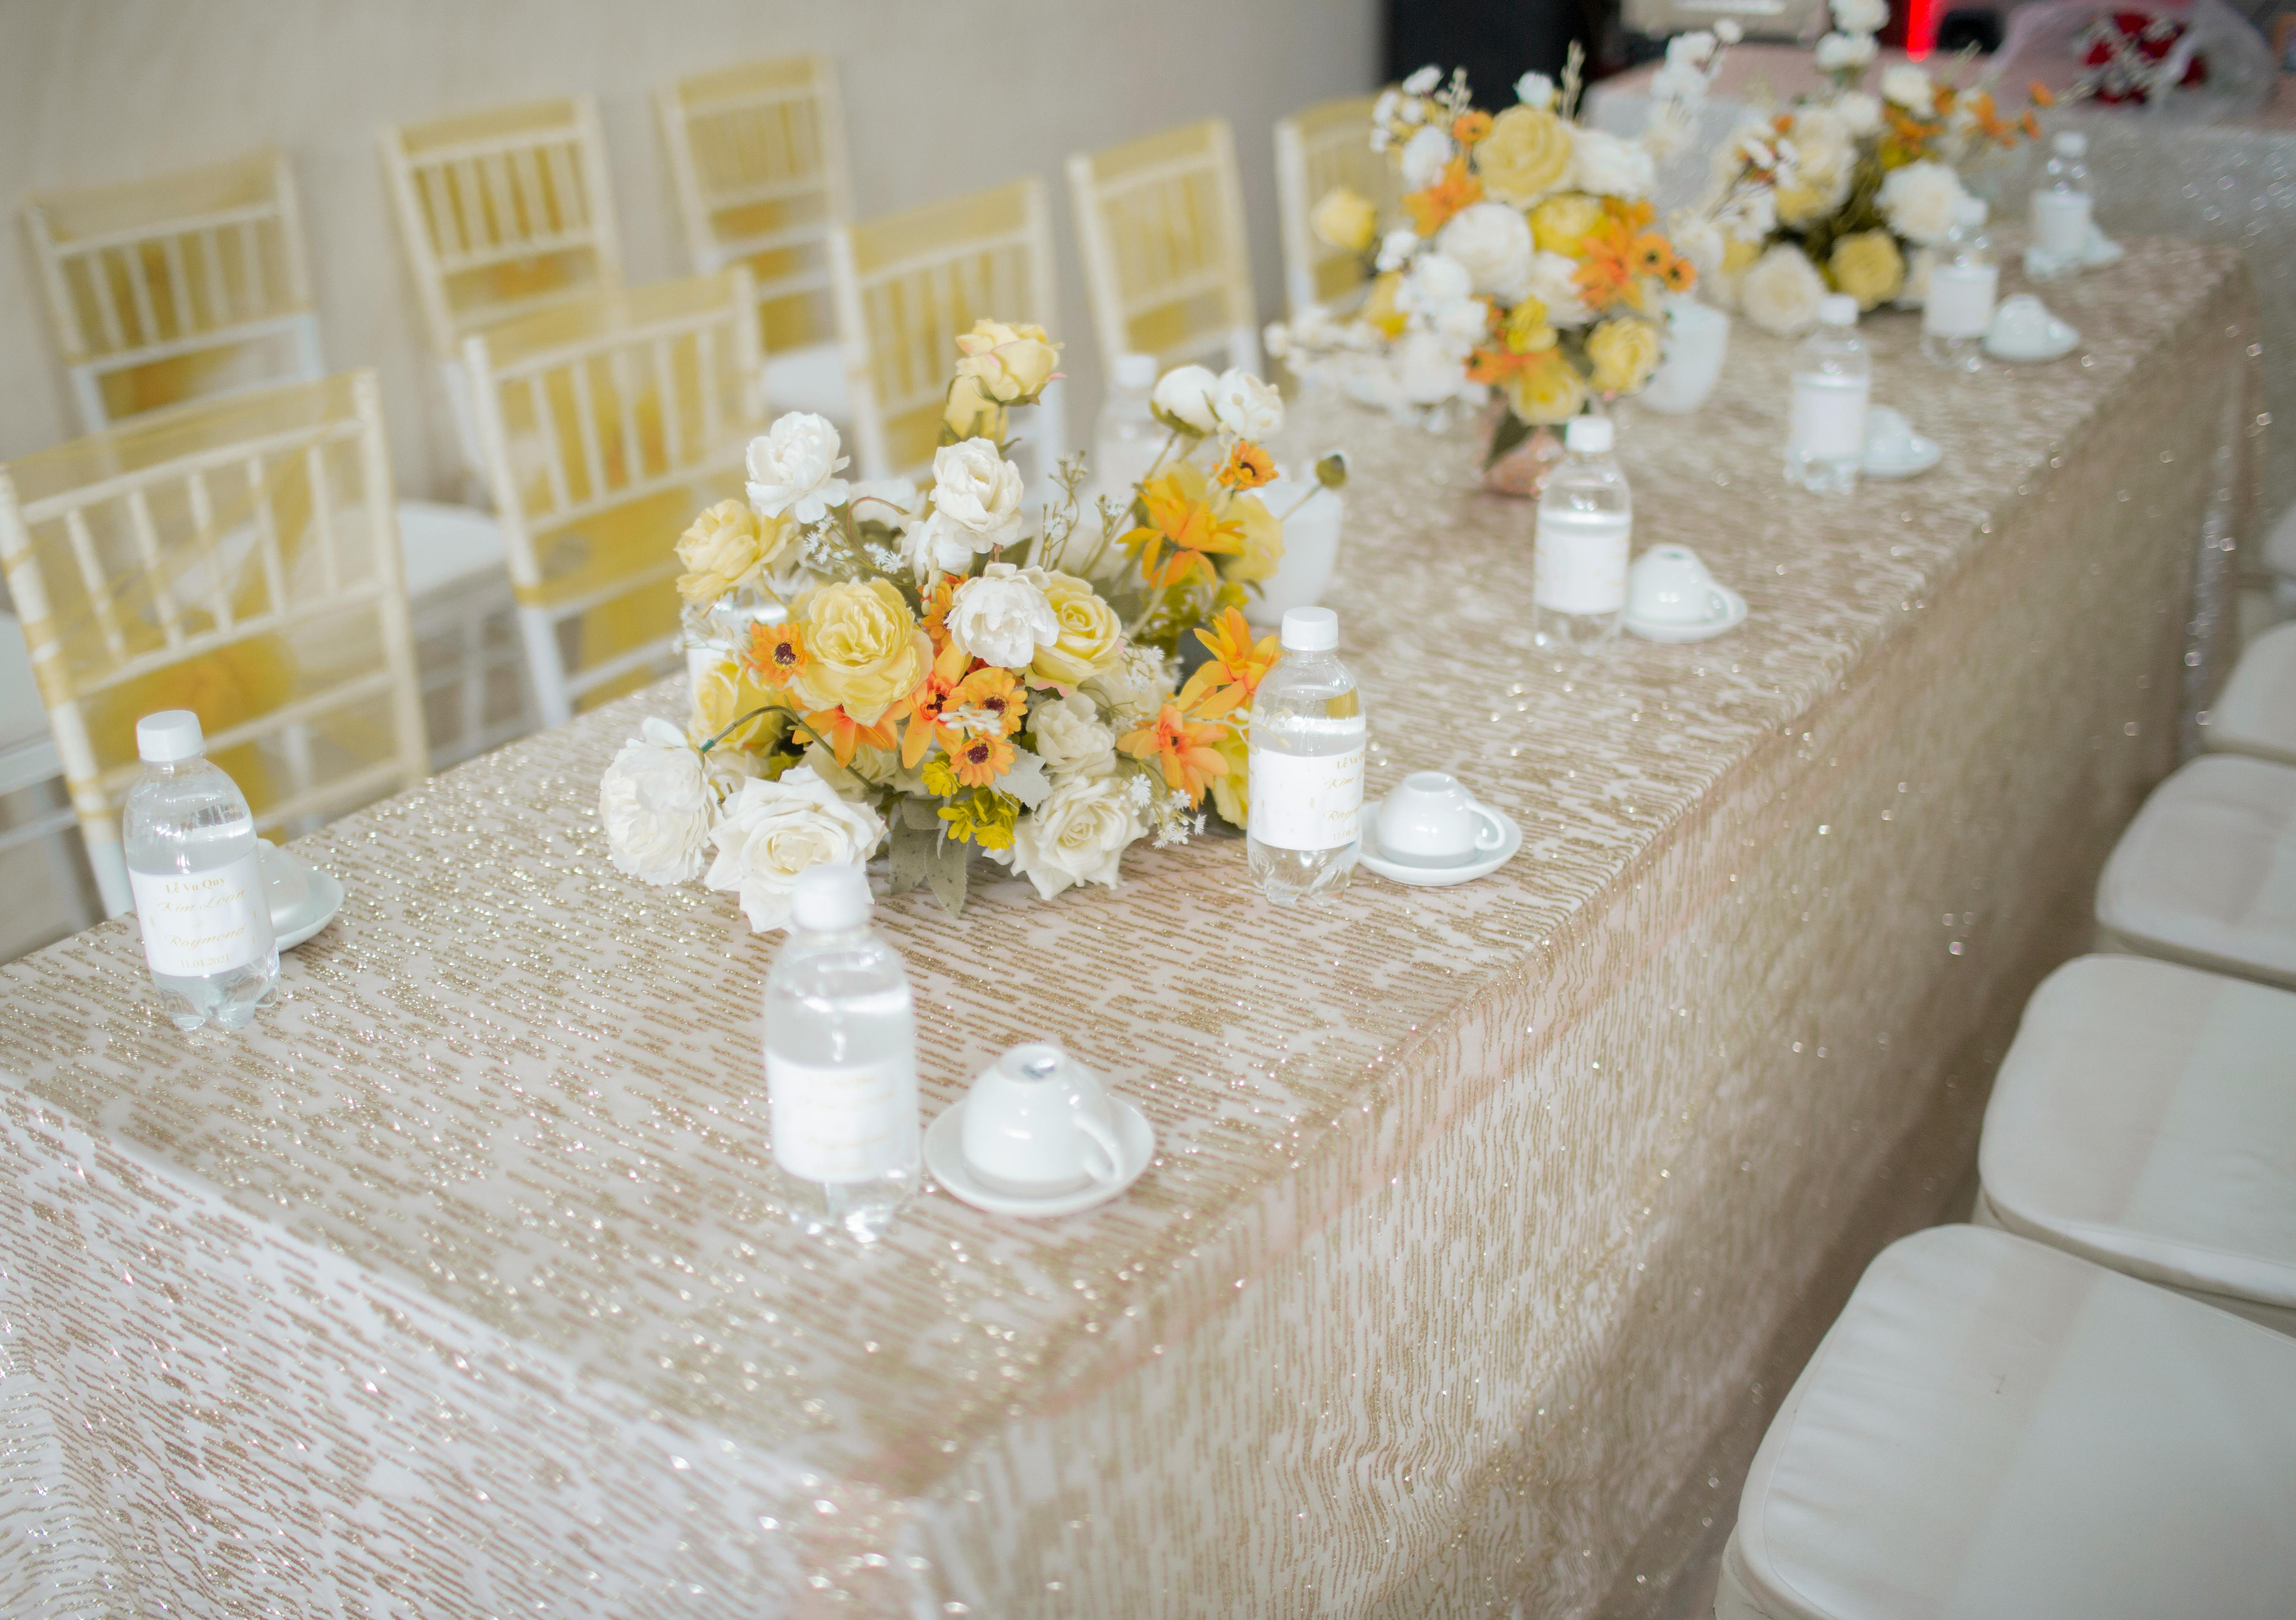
[1319, 150]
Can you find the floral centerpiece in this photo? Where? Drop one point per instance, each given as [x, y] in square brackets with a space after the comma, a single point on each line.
[937, 673]
[1528, 264]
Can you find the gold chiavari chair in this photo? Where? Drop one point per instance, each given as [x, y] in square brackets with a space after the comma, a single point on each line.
[238, 558]
[1159, 224]
[907, 285]
[1319, 150]
[757, 158]
[607, 421]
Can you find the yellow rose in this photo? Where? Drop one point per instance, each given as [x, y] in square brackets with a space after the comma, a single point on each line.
[1868, 267]
[1379, 305]
[1263, 542]
[1525, 156]
[972, 413]
[1232, 793]
[1527, 330]
[1012, 364]
[1624, 352]
[1345, 220]
[1548, 394]
[725, 692]
[1560, 223]
[1091, 634]
[867, 651]
[721, 549]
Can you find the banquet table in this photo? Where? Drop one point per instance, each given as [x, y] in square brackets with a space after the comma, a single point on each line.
[451, 1288]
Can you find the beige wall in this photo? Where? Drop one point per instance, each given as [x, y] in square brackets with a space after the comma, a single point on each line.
[940, 98]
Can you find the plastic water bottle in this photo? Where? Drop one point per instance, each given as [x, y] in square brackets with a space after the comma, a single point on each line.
[1833, 383]
[1128, 438]
[841, 1062]
[1963, 285]
[1305, 767]
[2062, 207]
[190, 843]
[1585, 530]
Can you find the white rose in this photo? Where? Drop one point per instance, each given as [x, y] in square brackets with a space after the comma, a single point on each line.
[1534, 90]
[1077, 834]
[1070, 737]
[1133, 688]
[771, 831]
[1435, 282]
[1184, 394]
[1910, 88]
[1781, 292]
[1429, 368]
[1607, 166]
[978, 491]
[1425, 156]
[656, 803]
[1245, 406]
[1492, 242]
[792, 467]
[1860, 113]
[1002, 617]
[1838, 52]
[1397, 249]
[1861, 16]
[1919, 200]
[1553, 281]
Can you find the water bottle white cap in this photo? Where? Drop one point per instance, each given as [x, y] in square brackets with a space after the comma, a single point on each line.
[1136, 370]
[1838, 309]
[1310, 629]
[1590, 435]
[169, 736]
[831, 899]
[1971, 212]
[2072, 142]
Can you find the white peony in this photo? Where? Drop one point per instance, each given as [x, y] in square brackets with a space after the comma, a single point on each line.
[1245, 406]
[1492, 242]
[1910, 88]
[1919, 200]
[1534, 90]
[1838, 52]
[978, 491]
[1435, 282]
[1185, 393]
[1861, 16]
[1425, 156]
[1860, 113]
[1553, 281]
[1070, 738]
[1781, 292]
[1428, 367]
[656, 802]
[1001, 616]
[1077, 834]
[771, 831]
[1397, 249]
[1608, 166]
[793, 466]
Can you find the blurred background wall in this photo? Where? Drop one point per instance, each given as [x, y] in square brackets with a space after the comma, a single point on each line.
[940, 98]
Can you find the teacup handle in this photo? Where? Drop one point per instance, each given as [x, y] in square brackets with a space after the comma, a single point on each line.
[1109, 1166]
[1493, 831]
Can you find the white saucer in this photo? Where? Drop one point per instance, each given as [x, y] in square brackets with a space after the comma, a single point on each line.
[322, 897]
[945, 1158]
[1418, 875]
[1924, 453]
[1663, 629]
[2056, 350]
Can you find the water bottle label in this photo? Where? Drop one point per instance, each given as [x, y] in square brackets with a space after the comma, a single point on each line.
[1829, 417]
[2060, 223]
[1960, 303]
[854, 1122]
[1578, 566]
[197, 924]
[1305, 801]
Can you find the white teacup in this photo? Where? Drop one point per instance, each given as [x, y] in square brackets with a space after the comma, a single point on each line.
[1431, 817]
[1697, 341]
[1671, 585]
[1889, 436]
[2022, 326]
[286, 883]
[1038, 1125]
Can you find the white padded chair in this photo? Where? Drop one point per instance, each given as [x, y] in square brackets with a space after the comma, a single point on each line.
[2256, 715]
[2145, 1119]
[1997, 1430]
[2206, 874]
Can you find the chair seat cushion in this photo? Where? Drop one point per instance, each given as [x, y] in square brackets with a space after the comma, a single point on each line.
[443, 544]
[1993, 1428]
[2206, 874]
[2145, 1118]
[2256, 713]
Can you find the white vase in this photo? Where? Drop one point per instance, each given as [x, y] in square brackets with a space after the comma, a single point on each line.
[1697, 341]
[1311, 546]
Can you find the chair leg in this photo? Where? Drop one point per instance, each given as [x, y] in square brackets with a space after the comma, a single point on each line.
[540, 634]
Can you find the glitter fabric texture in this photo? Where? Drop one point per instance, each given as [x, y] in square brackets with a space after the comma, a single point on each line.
[450, 1288]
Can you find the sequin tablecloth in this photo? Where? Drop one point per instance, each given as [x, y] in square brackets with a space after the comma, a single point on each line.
[448, 1289]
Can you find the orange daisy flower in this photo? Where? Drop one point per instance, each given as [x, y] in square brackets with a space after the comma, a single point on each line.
[1650, 254]
[1194, 533]
[1496, 365]
[2040, 94]
[1680, 276]
[844, 734]
[1247, 468]
[989, 695]
[978, 761]
[936, 614]
[1231, 675]
[1431, 209]
[1471, 127]
[1183, 750]
[924, 709]
[776, 654]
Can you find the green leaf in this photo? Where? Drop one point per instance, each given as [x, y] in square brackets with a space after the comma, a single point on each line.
[1511, 430]
[913, 853]
[947, 874]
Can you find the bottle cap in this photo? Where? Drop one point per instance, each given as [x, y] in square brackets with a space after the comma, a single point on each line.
[1971, 212]
[1310, 629]
[169, 736]
[1838, 309]
[831, 899]
[2070, 142]
[1590, 435]
[1136, 370]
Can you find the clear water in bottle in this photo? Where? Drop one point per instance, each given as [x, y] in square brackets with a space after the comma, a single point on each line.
[1305, 775]
[200, 900]
[841, 1062]
[1833, 383]
[2062, 207]
[1585, 531]
[1964, 282]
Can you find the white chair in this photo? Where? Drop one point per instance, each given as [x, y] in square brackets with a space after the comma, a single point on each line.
[2206, 874]
[906, 286]
[2256, 713]
[37, 836]
[1319, 150]
[608, 422]
[2280, 558]
[757, 156]
[239, 558]
[1160, 225]
[2145, 1119]
[1994, 1430]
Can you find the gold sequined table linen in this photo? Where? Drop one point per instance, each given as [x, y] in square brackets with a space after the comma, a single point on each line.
[448, 1289]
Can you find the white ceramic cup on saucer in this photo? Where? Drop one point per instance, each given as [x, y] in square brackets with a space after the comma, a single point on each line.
[1671, 585]
[2023, 329]
[1038, 1125]
[1697, 340]
[1431, 817]
[1889, 436]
